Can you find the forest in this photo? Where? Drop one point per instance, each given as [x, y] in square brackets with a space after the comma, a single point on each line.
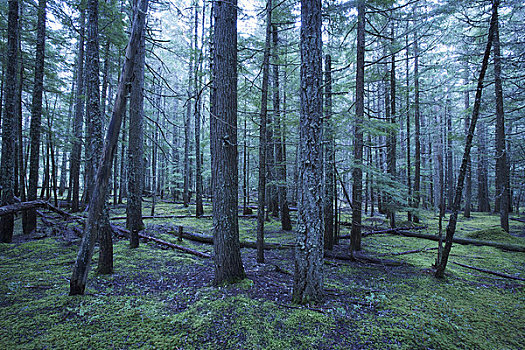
[193, 174]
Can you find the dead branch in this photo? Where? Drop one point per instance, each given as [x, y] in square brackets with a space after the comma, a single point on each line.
[495, 273]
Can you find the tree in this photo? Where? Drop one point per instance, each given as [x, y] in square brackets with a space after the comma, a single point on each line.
[135, 169]
[451, 227]
[36, 116]
[76, 151]
[502, 167]
[98, 199]
[7, 177]
[308, 278]
[223, 144]
[417, 131]
[329, 175]
[357, 172]
[263, 137]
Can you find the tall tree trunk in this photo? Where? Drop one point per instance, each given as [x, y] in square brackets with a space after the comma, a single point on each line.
[135, 168]
[449, 156]
[308, 276]
[483, 185]
[417, 134]
[391, 138]
[451, 227]
[74, 172]
[8, 124]
[408, 154]
[263, 137]
[36, 116]
[280, 137]
[199, 211]
[223, 144]
[468, 183]
[329, 174]
[98, 199]
[357, 172]
[187, 124]
[502, 167]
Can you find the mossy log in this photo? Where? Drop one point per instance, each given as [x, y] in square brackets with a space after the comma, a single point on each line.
[119, 231]
[465, 241]
[244, 244]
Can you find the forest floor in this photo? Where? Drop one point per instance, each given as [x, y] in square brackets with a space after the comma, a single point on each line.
[164, 299]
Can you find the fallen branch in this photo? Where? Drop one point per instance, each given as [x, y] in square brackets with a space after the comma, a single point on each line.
[362, 258]
[180, 217]
[119, 231]
[465, 241]
[495, 273]
[390, 230]
[518, 219]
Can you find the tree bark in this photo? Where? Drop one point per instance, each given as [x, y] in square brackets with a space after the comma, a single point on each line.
[483, 185]
[502, 167]
[468, 183]
[280, 137]
[329, 174]
[357, 172]
[223, 144]
[451, 227]
[417, 132]
[135, 168]
[96, 206]
[76, 151]
[36, 115]
[391, 137]
[199, 210]
[308, 276]
[263, 137]
[8, 124]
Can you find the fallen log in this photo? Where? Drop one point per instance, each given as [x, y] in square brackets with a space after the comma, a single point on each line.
[518, 219]
[244, 244]
[464, 241]
[390, 230]
[495, 273]
[16, 207]
[409, 251]
[119, 231]
[180, 217]
[362, 258]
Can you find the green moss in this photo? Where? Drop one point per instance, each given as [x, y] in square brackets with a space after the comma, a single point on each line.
[495, 234]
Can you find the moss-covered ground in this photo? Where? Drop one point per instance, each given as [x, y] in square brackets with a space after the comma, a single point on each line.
[164, 299]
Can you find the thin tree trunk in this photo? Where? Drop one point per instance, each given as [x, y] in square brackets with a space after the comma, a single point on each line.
[483, 186]
[451, 227]
[199, 211]
[391, 138]
[96, 206]
[36, 116]
[223, 144]
[408, 154]
[280, 146]
[502, 167]
[308, 276]
[468, 184]
[357, 172]
[263, 137]
[76, 151]
[329, 141]
[417, 134]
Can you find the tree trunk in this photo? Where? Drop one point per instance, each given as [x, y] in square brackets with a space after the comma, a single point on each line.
[199, 211]
[329, 175]
[468, 183]
[449, 156]
[36, 116]
[308, 276]
[187, 126]
[98, 199]
[223, 144]
[483, 185]
[391, 138]
[8, 124]
[263, 140]
[74, 172]
[135, 168]
[357, 172]
[417, 135]
[502, 167]
[280, 137]
[451, 227]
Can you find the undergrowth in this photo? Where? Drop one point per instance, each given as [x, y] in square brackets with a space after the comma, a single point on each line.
[164, 299]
